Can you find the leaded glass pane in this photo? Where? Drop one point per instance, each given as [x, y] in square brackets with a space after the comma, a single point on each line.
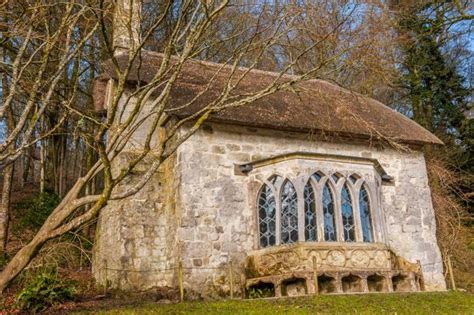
[347, 215]
[266, 217]
[310, 214]
[365, 216]
[328, 213]
[289, 214]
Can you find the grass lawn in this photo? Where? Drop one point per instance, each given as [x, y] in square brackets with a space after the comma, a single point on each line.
[415, 303]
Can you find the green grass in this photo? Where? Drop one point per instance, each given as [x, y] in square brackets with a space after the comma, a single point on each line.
[415, 303]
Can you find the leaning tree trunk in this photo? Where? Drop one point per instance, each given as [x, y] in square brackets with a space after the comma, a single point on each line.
[47, 231]
[20, 261]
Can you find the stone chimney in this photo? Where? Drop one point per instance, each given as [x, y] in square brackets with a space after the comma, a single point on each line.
[126, 25]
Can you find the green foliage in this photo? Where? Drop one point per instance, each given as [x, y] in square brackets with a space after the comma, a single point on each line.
[34, 210]
[435, 89]
[395, 303]
[260, 292]
[471, 246]
[45, 290]
[4, 258]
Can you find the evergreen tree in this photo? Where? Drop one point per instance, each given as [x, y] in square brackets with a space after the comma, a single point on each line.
[435, 90]
[436, 93]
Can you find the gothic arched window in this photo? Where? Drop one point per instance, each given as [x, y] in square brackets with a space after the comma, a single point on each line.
[310, 230]
[289, 214]
[266, 216]
[328, 213]
[365, 215]
[347, 215]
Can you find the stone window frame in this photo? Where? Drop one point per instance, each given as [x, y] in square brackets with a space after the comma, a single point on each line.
[372, 186]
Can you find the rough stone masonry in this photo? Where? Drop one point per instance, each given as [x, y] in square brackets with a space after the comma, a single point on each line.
[287, 164]
[199, 210]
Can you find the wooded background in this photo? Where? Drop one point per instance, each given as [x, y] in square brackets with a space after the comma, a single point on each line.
[414, 56]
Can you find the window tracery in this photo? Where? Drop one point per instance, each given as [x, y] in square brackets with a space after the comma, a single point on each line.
[325, 206]
[317, 176]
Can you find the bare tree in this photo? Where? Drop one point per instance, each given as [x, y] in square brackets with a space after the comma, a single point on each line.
[182, 31]
[40, 44]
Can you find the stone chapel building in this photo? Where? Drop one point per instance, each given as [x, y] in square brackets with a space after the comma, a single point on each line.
[291, 193]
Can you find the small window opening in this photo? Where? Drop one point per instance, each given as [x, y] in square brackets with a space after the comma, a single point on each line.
[347, 215]
[294, 287]
[289, 214]
[377, 283]
[267, 217]
[351, 283]
[329, 215]
[365, 215]
[326, 284]
[310, 226]
[261, 290]
[401, 283]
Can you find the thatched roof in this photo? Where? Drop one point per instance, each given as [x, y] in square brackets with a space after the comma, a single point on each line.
[313, 106]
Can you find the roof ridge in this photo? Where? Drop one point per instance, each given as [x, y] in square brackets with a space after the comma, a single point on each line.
[255, 70]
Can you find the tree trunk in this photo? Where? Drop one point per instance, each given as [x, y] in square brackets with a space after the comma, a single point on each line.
[42, 166]
[20, 261]
[5, 206]
[26, 170]
[62, 172]
[28, 252]
[7, 177]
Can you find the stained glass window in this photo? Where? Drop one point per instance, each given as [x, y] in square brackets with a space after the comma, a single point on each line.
[310, 231]
[328, 213]
[347, 215]
[266, 217]
[289, 214]
[287, 211]
[365, 216]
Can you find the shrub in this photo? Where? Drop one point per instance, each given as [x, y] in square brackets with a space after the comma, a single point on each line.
[44, 290]
[261, 291]
[34, 210]
[4, 258]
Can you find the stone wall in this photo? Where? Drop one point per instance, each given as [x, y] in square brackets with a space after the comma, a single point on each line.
[199, 210]
[218, 207]
[135, 245]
